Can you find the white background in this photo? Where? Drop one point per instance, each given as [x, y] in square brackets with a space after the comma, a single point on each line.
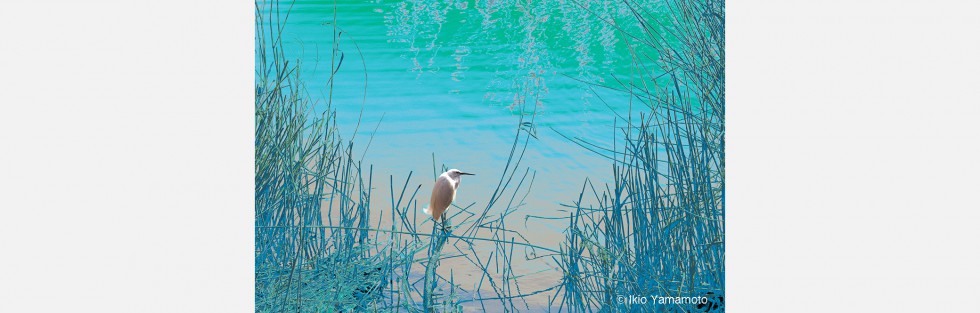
[126, 156]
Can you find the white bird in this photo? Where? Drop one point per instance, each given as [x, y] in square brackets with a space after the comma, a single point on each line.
[443, 193]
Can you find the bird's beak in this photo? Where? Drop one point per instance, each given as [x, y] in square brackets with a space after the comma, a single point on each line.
[461, 173]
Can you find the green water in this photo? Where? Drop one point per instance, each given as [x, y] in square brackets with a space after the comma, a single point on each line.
[450, 77]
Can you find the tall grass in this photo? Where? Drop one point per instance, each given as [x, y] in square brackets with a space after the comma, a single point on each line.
[658, 229]
[317, 249]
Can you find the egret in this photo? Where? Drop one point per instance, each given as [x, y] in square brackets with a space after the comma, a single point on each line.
[443, 194]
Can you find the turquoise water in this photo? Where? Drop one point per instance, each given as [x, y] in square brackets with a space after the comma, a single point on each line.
[449, 78]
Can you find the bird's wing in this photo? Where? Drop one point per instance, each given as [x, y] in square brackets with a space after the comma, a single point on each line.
[442, 196]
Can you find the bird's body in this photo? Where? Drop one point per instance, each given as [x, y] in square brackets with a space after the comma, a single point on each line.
[443, 193]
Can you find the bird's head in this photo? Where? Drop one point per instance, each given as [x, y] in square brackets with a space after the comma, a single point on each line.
[454, 174]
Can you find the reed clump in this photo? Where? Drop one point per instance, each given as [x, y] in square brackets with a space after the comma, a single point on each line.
[658, 228]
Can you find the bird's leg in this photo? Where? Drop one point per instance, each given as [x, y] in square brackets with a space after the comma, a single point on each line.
[444, 226]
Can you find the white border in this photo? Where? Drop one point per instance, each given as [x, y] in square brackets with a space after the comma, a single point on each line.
[126, 156]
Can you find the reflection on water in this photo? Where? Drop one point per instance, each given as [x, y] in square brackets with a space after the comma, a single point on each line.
[448, 77]
[442, 82]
